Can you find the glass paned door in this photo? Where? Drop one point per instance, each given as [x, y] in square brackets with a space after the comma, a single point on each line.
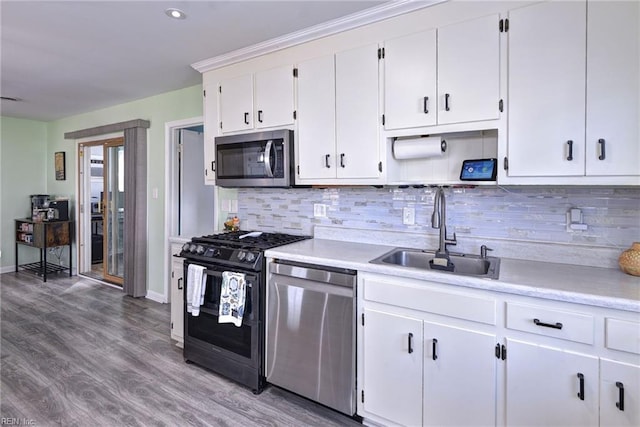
[114, 212]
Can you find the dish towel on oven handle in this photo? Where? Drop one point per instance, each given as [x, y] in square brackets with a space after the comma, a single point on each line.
[196, 284]
[232, 298]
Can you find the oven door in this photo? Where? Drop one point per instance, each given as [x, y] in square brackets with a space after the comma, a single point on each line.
[254, 160]
[205, 331]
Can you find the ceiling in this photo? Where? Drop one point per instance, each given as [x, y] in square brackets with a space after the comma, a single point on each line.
[61, 58]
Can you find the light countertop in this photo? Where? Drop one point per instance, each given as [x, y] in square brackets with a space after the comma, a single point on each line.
[601, 287]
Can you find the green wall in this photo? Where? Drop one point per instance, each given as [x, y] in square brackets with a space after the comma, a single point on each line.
[158, 109]
[23, 171]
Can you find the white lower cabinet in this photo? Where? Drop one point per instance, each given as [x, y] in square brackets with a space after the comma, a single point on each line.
[416, 369]
[177, 299]
[393, 367]
[431, 354]
[459, 376]
[550, 386]
[619, 393]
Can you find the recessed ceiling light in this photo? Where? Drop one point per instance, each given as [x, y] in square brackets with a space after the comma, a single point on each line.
[172, 12]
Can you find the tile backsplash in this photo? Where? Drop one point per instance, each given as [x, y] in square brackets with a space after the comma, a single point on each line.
[523, 214]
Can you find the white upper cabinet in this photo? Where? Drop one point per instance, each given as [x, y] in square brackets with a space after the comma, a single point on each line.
[236, 103]
[273, 106]
[316, 131]
[613, 88]
[357, 117]
[469, 71]
[554, 86]
[410, 81]
[443, 76]
[210, 127]
[337, 118]
[547, 89]
[274, 97]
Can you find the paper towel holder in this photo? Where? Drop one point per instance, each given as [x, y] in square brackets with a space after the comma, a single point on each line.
[443, 143]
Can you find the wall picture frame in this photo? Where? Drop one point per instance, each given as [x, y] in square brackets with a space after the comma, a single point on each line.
[60, 166]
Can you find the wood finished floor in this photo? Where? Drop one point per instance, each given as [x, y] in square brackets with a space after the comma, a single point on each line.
[77, 353]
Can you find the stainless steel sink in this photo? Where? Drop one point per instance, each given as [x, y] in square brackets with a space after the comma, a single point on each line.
[463, 264]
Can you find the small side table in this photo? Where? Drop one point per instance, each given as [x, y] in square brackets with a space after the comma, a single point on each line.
[43, 235]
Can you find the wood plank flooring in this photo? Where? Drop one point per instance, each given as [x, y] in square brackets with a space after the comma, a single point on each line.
[78, 353]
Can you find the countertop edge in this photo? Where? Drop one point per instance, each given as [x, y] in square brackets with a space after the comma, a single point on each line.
[293, 252]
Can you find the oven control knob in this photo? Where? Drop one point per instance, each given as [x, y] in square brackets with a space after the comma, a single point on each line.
[185, 247]
[192, 248]
[216, 253]
[242, 255]
[200, 249]
[250, 257]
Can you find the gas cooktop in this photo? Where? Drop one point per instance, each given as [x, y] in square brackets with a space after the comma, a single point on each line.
[250, 239]
[236, 248]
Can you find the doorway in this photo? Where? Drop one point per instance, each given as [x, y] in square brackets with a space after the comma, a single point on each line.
[101, 216]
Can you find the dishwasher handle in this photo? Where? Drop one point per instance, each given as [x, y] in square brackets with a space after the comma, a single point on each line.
[315, 273]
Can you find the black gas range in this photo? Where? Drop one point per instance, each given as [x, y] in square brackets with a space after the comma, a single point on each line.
[236, 352]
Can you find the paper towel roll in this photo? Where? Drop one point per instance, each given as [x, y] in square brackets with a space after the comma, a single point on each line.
[418, 148]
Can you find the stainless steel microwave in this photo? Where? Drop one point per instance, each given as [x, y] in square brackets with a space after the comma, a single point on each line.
[260, 159]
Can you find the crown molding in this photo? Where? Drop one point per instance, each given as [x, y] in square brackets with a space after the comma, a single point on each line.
[345, 23]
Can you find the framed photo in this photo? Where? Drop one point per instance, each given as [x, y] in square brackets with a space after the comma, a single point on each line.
[60, 166]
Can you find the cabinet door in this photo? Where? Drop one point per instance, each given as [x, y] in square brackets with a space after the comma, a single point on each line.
[210, 131]
[410, 81]
[469, 71]
[392, 384]
[316, 118]
[177, 300]
[543, 386]
[459, 372]
[613, 88]
[358, 153]
[547, 89]
[236, 103]
[274, 97]
[620, 383]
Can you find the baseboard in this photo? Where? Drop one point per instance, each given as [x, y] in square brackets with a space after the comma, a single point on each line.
[8, 269]
[12, 268]
[157, 297]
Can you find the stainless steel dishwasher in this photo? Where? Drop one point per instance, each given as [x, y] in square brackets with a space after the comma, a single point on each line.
[311, 332]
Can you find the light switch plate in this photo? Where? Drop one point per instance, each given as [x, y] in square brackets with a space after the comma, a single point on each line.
[408, 216]
[319, 210]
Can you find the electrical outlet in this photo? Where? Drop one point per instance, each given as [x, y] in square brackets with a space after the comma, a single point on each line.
[408, 216]
[319, 210]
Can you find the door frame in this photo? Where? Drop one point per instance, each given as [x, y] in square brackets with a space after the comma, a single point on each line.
[82, 209]
[170, 217]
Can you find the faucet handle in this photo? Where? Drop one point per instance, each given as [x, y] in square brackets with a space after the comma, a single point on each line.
[453, 241]
[483, 251]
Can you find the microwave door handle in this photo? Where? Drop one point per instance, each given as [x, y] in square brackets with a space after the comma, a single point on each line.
[267, 158]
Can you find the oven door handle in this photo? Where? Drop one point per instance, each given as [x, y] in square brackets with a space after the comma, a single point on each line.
[248, 283]
[267, 158]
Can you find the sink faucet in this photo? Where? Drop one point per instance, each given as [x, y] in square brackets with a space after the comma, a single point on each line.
[439, 220]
